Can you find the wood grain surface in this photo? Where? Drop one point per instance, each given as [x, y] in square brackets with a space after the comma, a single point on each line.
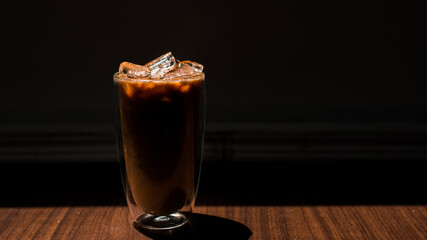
[222, 222]
[72, 202]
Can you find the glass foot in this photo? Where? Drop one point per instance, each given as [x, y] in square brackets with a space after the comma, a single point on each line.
[152, 222]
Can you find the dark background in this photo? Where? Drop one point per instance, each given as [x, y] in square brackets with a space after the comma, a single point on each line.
[264, 61]
[323, 98]
[276, 72]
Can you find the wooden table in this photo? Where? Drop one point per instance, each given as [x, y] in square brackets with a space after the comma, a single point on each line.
[243, 200]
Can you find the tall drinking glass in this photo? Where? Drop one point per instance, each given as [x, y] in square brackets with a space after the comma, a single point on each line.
[160, 141]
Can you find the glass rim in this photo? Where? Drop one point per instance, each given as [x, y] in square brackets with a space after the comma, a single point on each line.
[117, 78]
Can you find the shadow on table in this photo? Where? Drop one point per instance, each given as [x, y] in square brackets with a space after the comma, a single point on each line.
[204, 227]
[225, 183]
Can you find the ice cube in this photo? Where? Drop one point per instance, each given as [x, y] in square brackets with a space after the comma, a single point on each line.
[185, 69]
[196, 67]
[161, 65]
[133, 70]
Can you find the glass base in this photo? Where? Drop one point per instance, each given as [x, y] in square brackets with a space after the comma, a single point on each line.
[152, 222]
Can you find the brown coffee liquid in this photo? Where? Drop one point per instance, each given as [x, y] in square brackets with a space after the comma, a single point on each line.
[160, 131]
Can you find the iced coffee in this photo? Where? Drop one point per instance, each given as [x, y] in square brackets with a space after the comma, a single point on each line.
[162, 124]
